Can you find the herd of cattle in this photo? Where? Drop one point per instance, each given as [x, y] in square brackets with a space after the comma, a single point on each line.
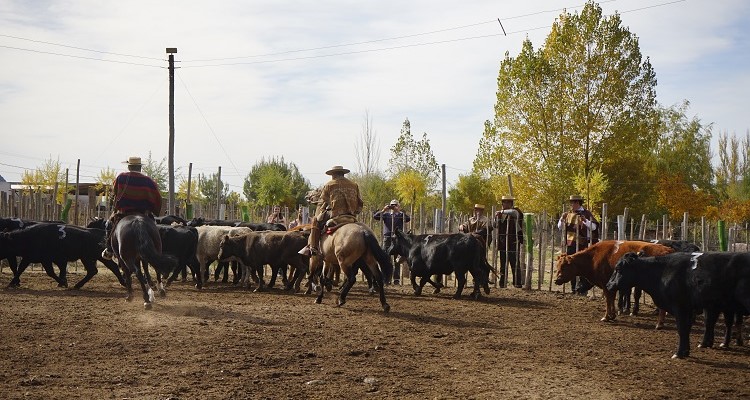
[679, 278]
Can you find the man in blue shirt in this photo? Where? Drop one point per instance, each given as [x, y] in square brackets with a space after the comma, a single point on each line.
[393, 218]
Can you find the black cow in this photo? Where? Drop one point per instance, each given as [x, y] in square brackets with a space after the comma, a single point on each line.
[49, 243]
[682, 283]
[170, 220]
[256, 249]
[256, 226]
[181, 242]
[429, 255]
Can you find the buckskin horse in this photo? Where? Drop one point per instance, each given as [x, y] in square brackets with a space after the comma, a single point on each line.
[348, 247]
[136, 238]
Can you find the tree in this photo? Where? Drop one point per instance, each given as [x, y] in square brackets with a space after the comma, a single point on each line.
[195, 193]
[683, 163]
[367, 149]
[45, 177]
[410, 154]
[157, 170]
[733, 171]
[210, 187]
[584, 101]
[375, 189]
[275, 182]
[469, 190]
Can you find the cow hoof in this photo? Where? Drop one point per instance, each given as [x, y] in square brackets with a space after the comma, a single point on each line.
[476, 295]
[259, 289]
[386, 308]
[128, 298]
[705, 346]
[162, 293]
[318, 301]
[62, 284]
[436, 291]
[147, 306]
[658, 326]
[371, 290]
[340, 303]
[724, 345]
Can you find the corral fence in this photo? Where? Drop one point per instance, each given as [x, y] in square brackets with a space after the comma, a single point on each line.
[543, 242]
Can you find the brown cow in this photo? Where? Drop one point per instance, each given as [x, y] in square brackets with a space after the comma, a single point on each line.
[597, 264]
[276, 248]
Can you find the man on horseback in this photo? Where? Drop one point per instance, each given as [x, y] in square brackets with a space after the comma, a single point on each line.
[339, 203]
[133, 193]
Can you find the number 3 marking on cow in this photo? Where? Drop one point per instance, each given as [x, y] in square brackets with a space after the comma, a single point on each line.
[62, 231]
[694, 260]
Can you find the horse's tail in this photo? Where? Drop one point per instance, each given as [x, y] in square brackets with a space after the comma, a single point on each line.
[386, 267]
[164, 263]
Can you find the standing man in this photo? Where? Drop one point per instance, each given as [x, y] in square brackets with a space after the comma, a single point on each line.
[133, 193]
[393, 219]
[509, 224]
[580, 229]
[339, 201]
[477, 223]
[276, 217]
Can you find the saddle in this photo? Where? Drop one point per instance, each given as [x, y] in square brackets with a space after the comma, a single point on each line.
[337, 222]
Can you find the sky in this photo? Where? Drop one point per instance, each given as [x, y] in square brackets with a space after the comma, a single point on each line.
[88, 80]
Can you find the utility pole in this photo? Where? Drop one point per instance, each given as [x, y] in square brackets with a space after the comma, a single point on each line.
[170, 204]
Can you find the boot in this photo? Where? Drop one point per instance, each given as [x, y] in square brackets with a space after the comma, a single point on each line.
[312, 243]
[314, 240]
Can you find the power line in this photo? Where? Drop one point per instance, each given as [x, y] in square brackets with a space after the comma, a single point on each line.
[526, 30]
[390, 38]
[80, 48]
[81, 57]
[210, 128]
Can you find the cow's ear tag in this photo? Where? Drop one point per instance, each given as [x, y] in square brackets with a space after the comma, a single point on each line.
[694, 260]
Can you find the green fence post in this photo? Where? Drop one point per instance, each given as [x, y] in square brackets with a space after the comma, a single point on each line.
[188, 211]
[722, 236]
[65, 210]
[245, 214]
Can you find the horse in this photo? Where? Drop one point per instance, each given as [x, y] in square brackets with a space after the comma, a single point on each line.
[136, 238]
[350, 247]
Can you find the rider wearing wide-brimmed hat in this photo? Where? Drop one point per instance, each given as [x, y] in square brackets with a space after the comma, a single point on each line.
[581, 229]
[133, 192]
[339, 200]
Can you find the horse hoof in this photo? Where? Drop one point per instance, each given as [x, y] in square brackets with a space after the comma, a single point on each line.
[386, 308]
[147, 306]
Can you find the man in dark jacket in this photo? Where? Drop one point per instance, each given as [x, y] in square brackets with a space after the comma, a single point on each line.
[393, 219]
[509, 225]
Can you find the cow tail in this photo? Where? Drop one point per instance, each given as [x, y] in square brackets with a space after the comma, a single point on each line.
[386, 266]
[164, 263]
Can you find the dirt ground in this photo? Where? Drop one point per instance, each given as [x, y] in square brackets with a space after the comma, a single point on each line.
[225, 343]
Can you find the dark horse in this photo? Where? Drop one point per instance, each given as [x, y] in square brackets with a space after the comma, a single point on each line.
[135, 238]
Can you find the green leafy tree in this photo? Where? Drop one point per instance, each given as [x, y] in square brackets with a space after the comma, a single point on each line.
[210, 186]
[275, 182]
[469, 190]
[195, 193]
[411, 186]
[45, 177]
[585, 101]
[157, 170]
[376, 190]
[683, 162]
[416, 155]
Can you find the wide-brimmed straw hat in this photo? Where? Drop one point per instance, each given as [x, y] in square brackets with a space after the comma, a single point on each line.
[479, 206]
[337, 169]
[507, 198]
[576, 197]
[133, 161]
